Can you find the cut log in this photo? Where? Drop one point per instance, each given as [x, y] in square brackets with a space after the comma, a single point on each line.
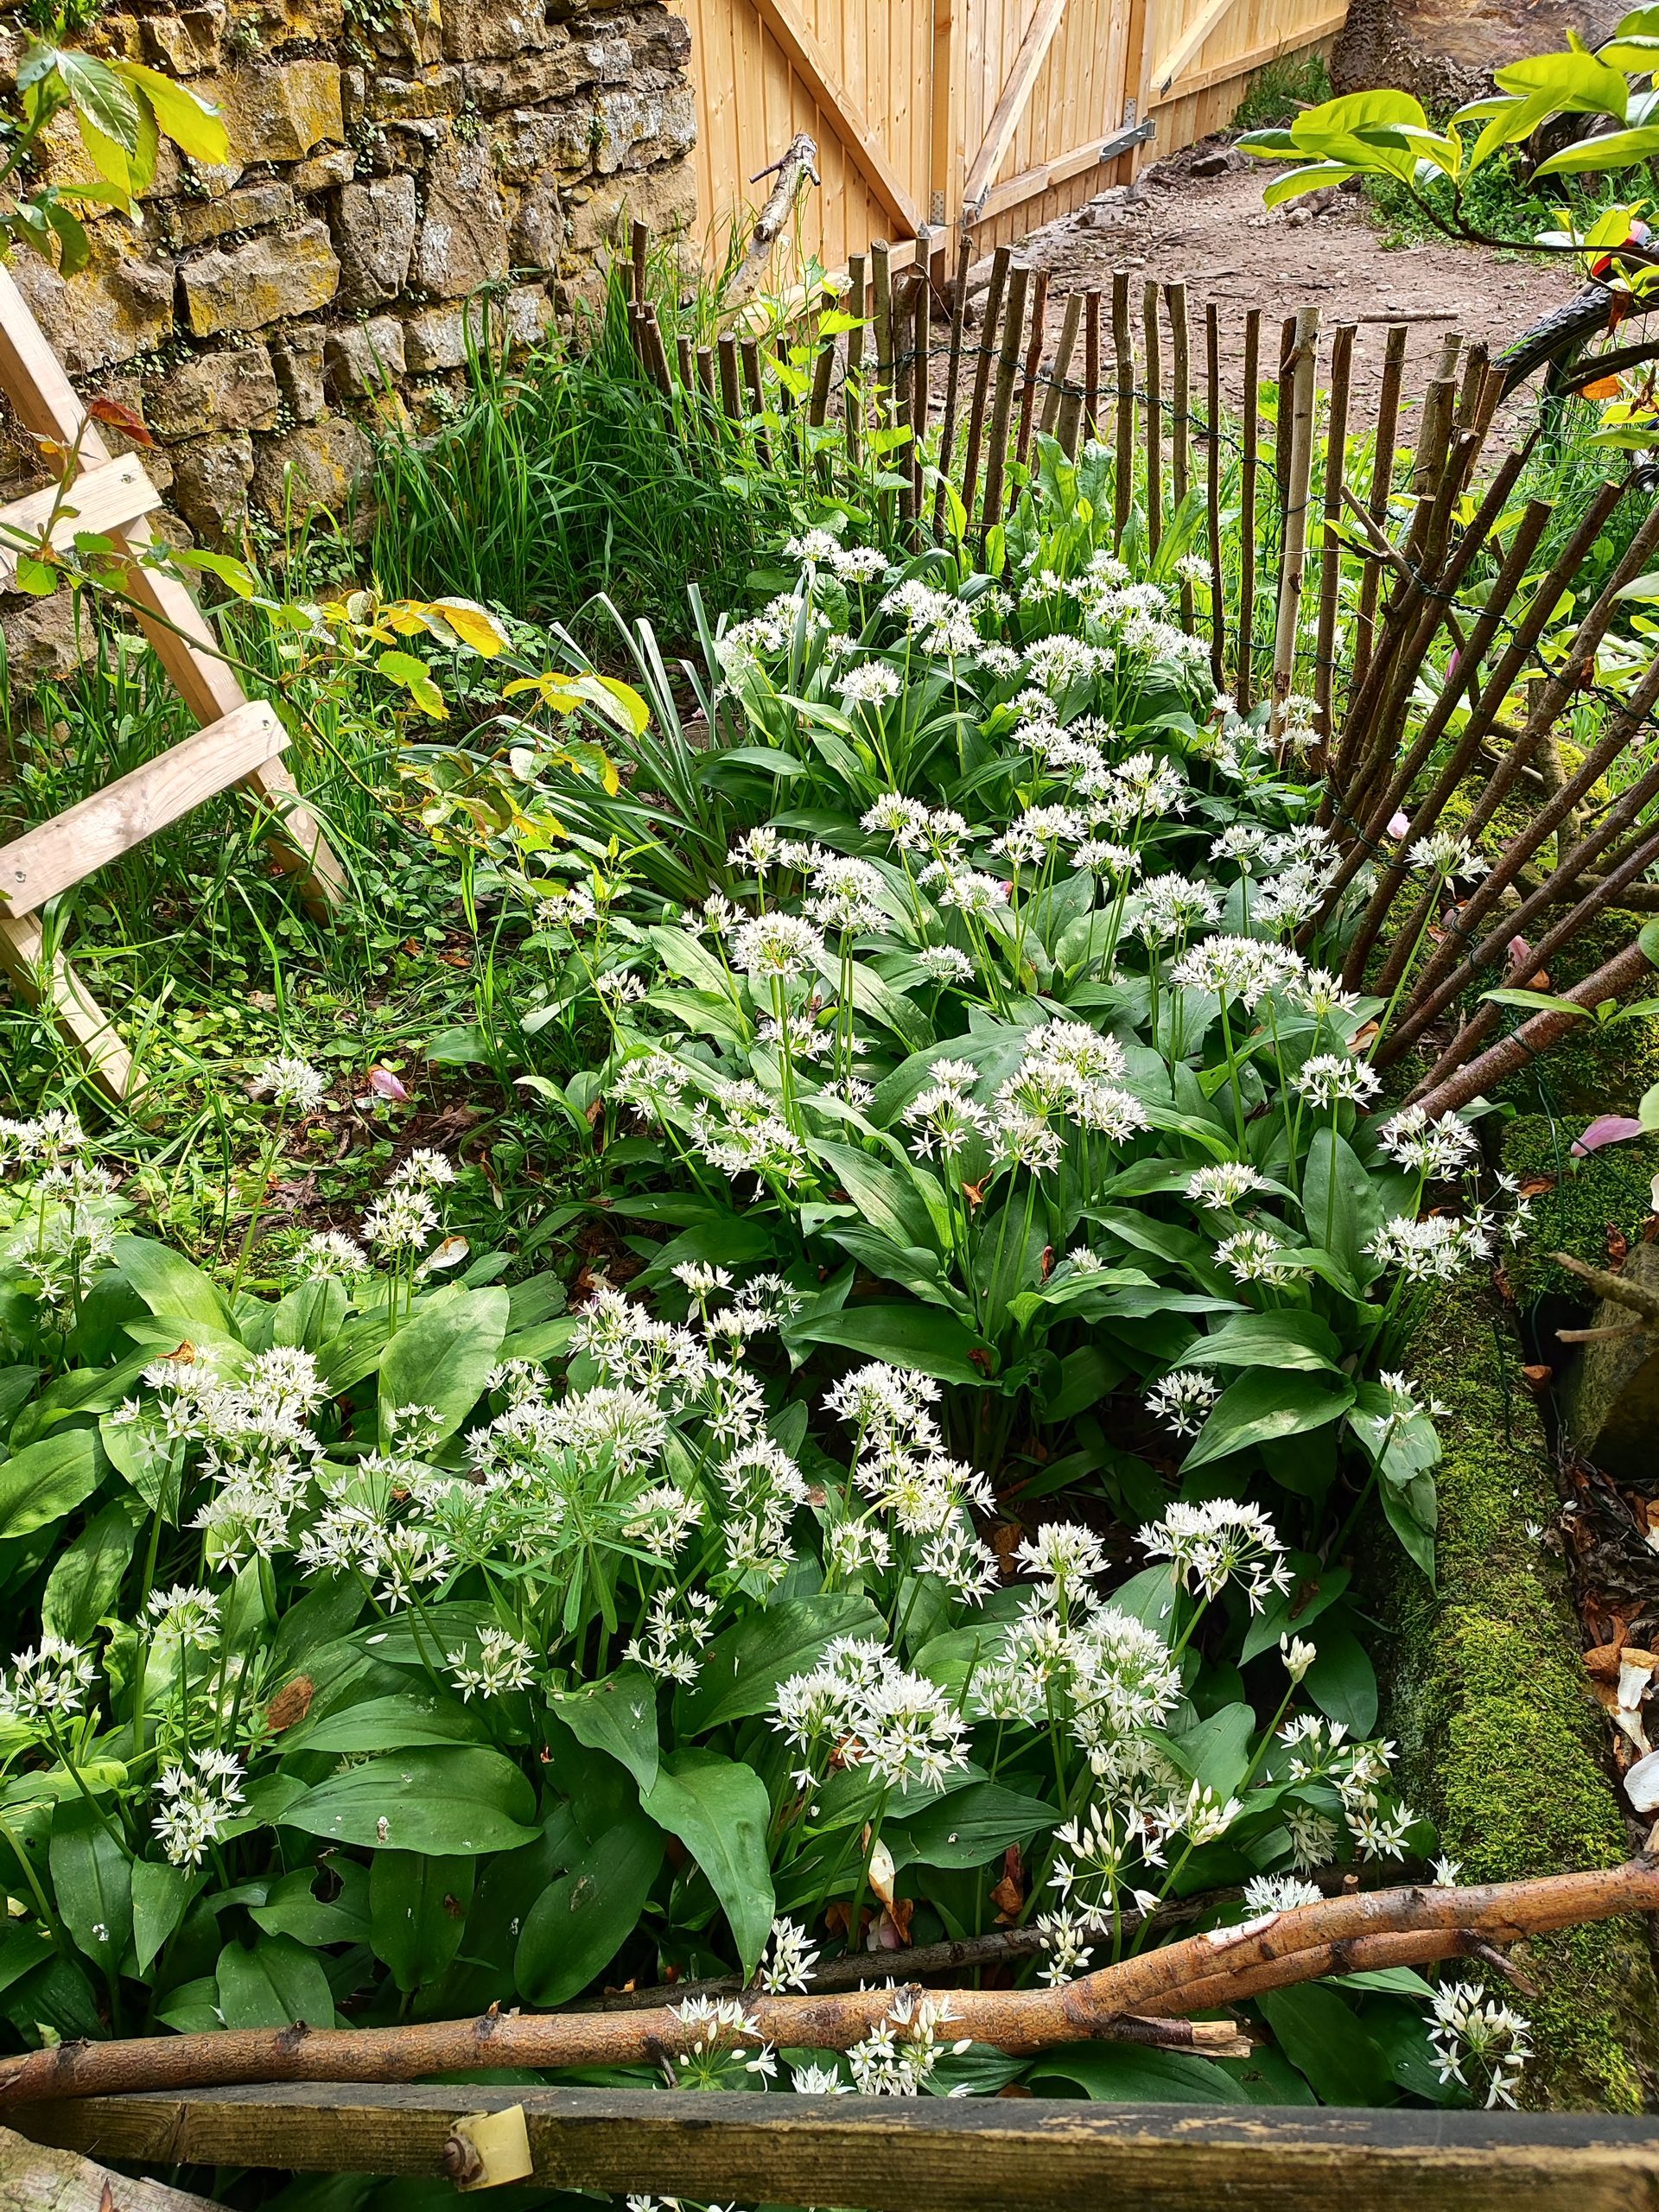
[35, 2179]
[1444, 51]
[1612, 1395]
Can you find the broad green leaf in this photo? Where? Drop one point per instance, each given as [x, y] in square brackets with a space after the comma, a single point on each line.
[1260, 1407]
[1124, 2074]
[1319, 2032]
[719, 1810]
[91, 1882]
[276, 1985]
[474, 624]
[99, 98]
[442, 1802]
[293, 1907]
[416, 678]
[1617, 150]
[618, 1716]
[1573, 83]
[83, 1585]
[1315, 1590]
[1313, 178]
[970, 1826]
[1339, 1200]
[1342, 1680]
[1217, 1751]
[1291, 1337]
[48, 1479]
[161, 1897]
[418, 1913]
[403, 1722]
[925, 1338]
[170, 1287]
[443, 1358]
[743, 1666]
[579, 1924]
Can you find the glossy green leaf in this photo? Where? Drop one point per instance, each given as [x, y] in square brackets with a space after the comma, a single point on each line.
[1267, 1405]
[443, 1803]
[618, 1716]
[46, 1480]
[742, 1668]
[443, 1358]
[418, 1913]
[580, 1922]
[276, 1985]
[719, 1809]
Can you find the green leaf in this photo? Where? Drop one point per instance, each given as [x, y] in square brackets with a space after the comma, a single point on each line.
[1618, 149]
[1573, 83]
[925, 1338]
[399, 1722]
[161, 1897]
[293, 1907]
[1342, 1680]
[1311, 178]
[1320, 2035]
[92, 1881]
[418, 1913]
[1315, 1589]
[970, 1826]
[719, 1810]
[580, 1922]
[1293, 1337]
[1259, 1407]
[1121, 2074]
[99, 98]
[170, 1287]
[46, 1480]
[83, 1584]
[620, 1717]
[442, 1359]
[1217, 1753]
[416, 678]
[1337, 1203]
[442, 1802]
[276, 1985]
[743, 1666]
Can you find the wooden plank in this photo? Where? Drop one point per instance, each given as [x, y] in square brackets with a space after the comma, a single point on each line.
[53, 985]
[35, 2179]
[837, 104]
[46, 860]
[1258, 56]
[1005, 118]
[100, 501]
[930, 2154]
[1191, 40]
[1014, 191]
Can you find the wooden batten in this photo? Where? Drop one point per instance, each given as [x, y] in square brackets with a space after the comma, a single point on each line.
[101, 502]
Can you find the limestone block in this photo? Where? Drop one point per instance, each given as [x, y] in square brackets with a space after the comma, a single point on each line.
[495, 30]
[279, 112]
[211, 478]
[538, 227]
[245, 287]
[666, 198]
[638, 124]
[397, 99]
[610, 60]
[106, 313]
[296, 358]
[528, 143]
[322, 171]
[463, 238]
[438, 337]
[186, 43]
[531, 80]
[1611, 1398]
[374, 235]
[234, 388]
[198, 222]
[362, 357]
[311, 468]
[275, 23]
[43, 639]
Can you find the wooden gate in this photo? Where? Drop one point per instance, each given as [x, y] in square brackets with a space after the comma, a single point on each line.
[1011, 111]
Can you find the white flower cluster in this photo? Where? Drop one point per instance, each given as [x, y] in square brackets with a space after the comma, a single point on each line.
[1475, 2035]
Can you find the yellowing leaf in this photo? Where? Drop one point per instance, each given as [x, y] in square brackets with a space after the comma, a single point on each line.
[193, 124]
[474, 624]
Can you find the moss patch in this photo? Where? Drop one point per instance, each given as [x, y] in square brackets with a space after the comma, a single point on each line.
[1592, 1070]
[1607, 1191]
[1500, 1742]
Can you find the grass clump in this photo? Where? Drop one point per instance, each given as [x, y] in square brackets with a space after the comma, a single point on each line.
[1277, 92]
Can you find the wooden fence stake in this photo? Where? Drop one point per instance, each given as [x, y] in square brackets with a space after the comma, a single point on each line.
[1154, 415]
[1180, 419]
[1001, 261]
[1212, 491]
[1336, 456]
[1034, 363]
[1002, 406]
[1123, 371]
[953, 377]
[1302, 384]
[1246, 680]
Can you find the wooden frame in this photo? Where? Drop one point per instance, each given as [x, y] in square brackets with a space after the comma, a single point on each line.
[810, 63]
[239, 744]
[931, 2154]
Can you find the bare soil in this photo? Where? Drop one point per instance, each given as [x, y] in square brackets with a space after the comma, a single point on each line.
[1213, 234]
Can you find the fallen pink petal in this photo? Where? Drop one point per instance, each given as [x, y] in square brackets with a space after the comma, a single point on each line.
[1607, 1129]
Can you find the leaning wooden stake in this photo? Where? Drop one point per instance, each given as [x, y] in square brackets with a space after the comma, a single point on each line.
[1154, 343]
[1298, 475]
[1212, 491]
[1353, 1933]
[796, 169]
[1123, 373]
[1008, 367]
[1336, 457]
[1034, 363]
[953, 375]
[1387, 416]
[1001, 261]
[1248, 466]
[1180, 414]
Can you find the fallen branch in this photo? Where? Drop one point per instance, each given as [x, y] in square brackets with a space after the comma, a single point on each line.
[1535, 1036]
[1141, 1999]
[1616, 1289]
[796, 168]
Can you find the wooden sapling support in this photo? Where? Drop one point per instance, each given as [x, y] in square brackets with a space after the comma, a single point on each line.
[1298, 477]
[1124, 440]
[1032, 365]
[240, 745]
[1248, 466]
[1008, 367]
[1001, 263]
[796, 168]
[1153, 341]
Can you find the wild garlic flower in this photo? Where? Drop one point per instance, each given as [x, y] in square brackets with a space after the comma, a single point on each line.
[401, 1222]
[1066, 1555]
[1313, 1837]
[811, 2080]
[662, 1519]
[1221, 1185]
[1328, 1078]
[673, 1641]
[187, 1614]
[899, 2056]
[1434, 1250]
[293, 1084]
[331, 1252]
[779, 946]
[944, 963]
[1218, 1541]
[42, 1142]
[1258, 1255]
[868, 684]
[1446, 857]
[946, 1122]
[789, 1960]
[47, 1683]
[1480, 2041]
[198, 1797]
[1169, 906]
[715, 2035]
[847, 896]
[1182, 1399]
[1439, 1149]
[1298, 1656]
[860, 1704]
[1280, 1893]
[1244, 967]
[742, 1132]
[1319, 993]
[935, 621]
[504, 1664]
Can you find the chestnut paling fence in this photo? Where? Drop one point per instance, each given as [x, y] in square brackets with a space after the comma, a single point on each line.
[1380, 580]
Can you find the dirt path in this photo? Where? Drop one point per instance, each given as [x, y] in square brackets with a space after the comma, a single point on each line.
[1213, 233]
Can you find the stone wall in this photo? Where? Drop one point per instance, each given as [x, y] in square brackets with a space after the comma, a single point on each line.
[390, 165]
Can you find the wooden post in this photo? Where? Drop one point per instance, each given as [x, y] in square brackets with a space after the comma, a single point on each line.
[1060, 368]
[640, 243]
[1336, 457]
[1007, 367]
[731, 397]
[1091, 368]
[1245, 684]
[994, 302]
[882, 310]
[1212, 491]
[1124, 373]
[1154, 415]
[1181, 422]
[921, 351]
[1033, 361]
[953, 375]
[750, 351]
[1302, 385]
[1387, 416]
[853, 394]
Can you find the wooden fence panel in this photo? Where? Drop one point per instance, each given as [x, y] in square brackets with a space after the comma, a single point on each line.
[1216, 46]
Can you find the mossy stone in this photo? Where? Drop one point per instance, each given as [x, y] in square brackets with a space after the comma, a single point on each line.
[1500, 1740]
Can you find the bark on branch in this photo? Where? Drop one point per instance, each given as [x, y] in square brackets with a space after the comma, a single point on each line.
[795, 168]
[1619, 975]
[1141, 1998]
